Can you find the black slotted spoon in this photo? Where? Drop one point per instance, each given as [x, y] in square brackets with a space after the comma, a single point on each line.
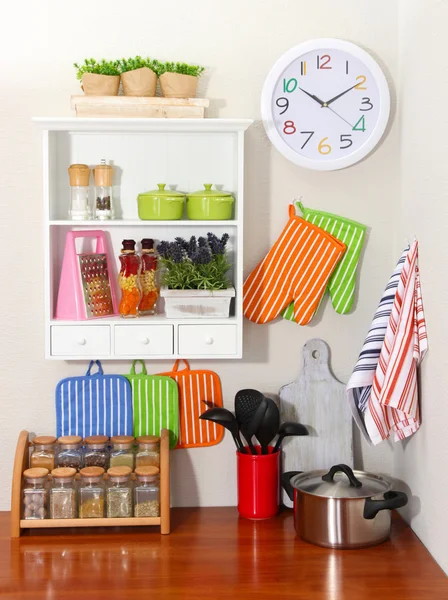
[250, 408]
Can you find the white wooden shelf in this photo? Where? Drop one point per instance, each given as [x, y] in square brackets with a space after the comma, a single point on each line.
[94, 224]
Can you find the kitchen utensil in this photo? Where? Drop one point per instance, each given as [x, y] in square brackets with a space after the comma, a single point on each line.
[317, 400]
[156, 403]
[194, 386]
[337, 509]
[160, 204]
[289, 429]
[250, 407]
[258, 484]
[269, 426]
[222, 416]
[209, 204]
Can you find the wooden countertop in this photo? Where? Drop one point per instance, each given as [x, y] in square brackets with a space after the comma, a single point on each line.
[212, 554]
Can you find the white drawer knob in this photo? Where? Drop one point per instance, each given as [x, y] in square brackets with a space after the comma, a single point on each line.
[209, 341]
[145, 341]
[82, 341]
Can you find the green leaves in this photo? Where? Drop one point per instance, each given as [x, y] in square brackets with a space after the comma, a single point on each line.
[182, 68]
[90, 65]
[123, 65]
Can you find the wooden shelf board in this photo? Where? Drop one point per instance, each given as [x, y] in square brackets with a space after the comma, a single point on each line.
[52, 523]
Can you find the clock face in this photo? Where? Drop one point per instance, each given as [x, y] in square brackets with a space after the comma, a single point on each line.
[325, 104]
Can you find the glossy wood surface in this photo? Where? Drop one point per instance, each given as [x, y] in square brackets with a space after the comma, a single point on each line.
[212, 554]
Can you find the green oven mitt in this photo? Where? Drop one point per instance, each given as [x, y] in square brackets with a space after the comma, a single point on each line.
[341, 284]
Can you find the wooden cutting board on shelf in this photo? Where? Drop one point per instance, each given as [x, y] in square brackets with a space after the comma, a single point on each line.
[317, 400]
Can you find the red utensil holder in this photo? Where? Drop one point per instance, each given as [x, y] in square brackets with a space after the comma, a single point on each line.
[258, 483]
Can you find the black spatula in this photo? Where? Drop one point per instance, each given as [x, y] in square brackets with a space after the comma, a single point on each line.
[269, 426]
[224, 417]
[250, 407]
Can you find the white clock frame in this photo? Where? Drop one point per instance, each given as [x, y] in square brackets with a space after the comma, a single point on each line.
[267, 104]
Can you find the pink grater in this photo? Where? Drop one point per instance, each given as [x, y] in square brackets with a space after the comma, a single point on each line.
[85, 290]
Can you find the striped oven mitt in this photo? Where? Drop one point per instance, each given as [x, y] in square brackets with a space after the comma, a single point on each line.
[297, 268]
[342, 283]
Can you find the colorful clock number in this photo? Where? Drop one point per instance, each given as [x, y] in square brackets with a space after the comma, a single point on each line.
[323, 147]
[289, 128]
[366, 101]
[347, 138]
[289, 85]
[309, 134]
[360, 124]
[359, 86]
[282, 103]
[322, 61]
[303, 67]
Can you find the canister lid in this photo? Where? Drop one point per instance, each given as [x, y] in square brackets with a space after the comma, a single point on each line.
[148, 439]
[79, 175]
[96, 439]
[35, 473]
[146, 471]
[122, 439]
[43, 440]
[121, 471]
[207, 192]
[103, 175]
[70, 440]
[63, 472]
[91, 471]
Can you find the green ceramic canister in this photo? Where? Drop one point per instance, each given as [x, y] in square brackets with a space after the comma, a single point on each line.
[210, 204]
[161, 204]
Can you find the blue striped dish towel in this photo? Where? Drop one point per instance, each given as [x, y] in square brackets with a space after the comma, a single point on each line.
[95, 404]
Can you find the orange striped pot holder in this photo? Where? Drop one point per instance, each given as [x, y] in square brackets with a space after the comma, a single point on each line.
[297, 268]
[195, 386]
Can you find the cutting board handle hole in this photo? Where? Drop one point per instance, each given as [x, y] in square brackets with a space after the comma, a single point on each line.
[315, 353]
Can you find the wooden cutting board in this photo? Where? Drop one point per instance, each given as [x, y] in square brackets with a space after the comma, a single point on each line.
[317, 400]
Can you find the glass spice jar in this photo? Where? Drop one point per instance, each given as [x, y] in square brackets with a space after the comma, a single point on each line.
[119, 493]
[148, 451]
[69, 452]
[149, 289]
[147, 492]
[128, 280]
[79, 192]
[35, 491]
[122, 451]
[91, 493]
[96, 452]
[43, 452]
[63, 493]
[103, 175]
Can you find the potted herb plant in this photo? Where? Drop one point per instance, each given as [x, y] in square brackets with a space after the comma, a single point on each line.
[194, 277]
[98, 78]
[137, 76]
[178, 80]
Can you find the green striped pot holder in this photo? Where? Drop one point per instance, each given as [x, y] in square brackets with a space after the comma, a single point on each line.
[155, 402]
[341, 284]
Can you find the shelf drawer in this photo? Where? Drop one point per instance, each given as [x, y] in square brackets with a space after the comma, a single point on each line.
[80, 340]
[207, 339]
[143, 340]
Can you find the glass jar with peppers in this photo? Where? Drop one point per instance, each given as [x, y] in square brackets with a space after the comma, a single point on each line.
[128, 280]
[150, 291]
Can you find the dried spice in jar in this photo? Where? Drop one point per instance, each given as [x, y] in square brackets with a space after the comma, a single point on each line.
[63, 493]
[119, 493]
[103, 175]
[149, 289]
[91, 493]
[122, 451]
[43, 452]
[35, 493]
[96, 452]
[128, 280]
[148, 451]
[69, 452]
[147, 492]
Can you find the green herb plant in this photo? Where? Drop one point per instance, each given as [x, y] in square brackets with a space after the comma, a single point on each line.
[90, 65]
[181, 68]
[131, 64]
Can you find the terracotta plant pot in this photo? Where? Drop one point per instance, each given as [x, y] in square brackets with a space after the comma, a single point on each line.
[140, 82]
[100, 85]
[177, 85]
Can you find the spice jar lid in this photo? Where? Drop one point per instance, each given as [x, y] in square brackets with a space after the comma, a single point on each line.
[70, 440]
[122, 471]
[36, 473]
[148, 439]
[128, 245]
[43, 440]
[91, 471]
[63, 472]
[103, 175]
[96, 439]
[122, 439]
[147, 244]
[146, 471]
[79, 175]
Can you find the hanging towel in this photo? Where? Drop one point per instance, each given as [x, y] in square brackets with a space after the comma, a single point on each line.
[341, 285]
[382, 390]
[297, 268]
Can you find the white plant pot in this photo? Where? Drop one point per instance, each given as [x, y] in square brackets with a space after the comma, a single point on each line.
[194, 304]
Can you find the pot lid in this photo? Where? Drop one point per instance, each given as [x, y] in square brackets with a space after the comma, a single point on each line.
[341, 482]
[163, 192]
[209, 193]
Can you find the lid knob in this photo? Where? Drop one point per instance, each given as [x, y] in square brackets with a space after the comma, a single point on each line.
[161, 186]
[208, 186]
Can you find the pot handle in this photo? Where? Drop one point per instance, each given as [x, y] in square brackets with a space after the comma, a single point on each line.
[344, 469]
[286, 482]
[391, 500]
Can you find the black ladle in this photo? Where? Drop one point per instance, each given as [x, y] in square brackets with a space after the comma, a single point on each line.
[269, 426]
[250, 408]
[289, 428]
[222, 416]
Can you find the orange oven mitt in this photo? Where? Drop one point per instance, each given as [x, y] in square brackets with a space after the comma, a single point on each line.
[297, 268]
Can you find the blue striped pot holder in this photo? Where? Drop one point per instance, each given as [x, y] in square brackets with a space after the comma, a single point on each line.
[95, 404]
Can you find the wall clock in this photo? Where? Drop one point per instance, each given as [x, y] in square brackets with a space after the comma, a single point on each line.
[325, 104]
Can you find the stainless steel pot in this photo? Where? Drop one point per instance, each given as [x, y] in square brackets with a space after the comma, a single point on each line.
[341, 508]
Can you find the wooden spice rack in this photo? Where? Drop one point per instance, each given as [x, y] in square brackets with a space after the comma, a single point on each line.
[21, 463]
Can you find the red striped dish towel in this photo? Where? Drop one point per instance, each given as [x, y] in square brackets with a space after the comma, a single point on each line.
[382, 390]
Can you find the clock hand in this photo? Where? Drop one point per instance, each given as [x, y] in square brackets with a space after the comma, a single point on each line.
[338, 115]
[315, 98]
[339, 95]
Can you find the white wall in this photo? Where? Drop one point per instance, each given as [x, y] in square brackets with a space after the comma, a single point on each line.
[422, 461]
[239, 42]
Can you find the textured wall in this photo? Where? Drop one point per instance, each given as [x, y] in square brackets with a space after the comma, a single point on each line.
[238, 41]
